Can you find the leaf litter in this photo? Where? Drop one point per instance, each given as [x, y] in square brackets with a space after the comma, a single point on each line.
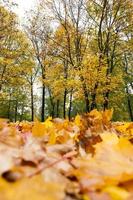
[88, 158]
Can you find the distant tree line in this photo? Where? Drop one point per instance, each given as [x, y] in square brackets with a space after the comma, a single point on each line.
[78, 52]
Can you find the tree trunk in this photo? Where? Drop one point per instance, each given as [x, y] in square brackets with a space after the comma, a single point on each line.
[9, 106]
[87, 102]
[1, 78]
[22, 113]
[64, 105]
[57, 111]
[129, 105]
[43, 104]
[106, 101]
[16, 110]
[32, 103]
[52, 103]
[70, 105]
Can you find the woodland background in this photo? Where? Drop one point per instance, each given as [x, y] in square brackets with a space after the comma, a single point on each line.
[69, 57]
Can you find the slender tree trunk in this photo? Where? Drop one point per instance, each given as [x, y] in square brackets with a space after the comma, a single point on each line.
[53, 114]
[53, 109]
[32, 103]
[52, 103]
[16, 110]
[43, 104]
[1, 78]
[94, 104]
[129, 105]
[86, 95]
[106, 101]
[64, 105]
[87, 101]
[9, 106]
[127, 92]
[94, 95]
[57, 111]
[22, 112]
[70, 105]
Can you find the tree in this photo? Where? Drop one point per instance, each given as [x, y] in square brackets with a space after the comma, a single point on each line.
[111, 19]
[38, 31]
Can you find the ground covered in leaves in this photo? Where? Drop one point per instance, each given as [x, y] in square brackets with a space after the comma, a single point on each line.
[89, 158]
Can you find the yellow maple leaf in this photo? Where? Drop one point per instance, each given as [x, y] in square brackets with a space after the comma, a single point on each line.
[42, 128]
[125, 128]
[34, 188]
[112, 163]
[107, 116]
[77, 120]
[117, 193]
[38, 128]
[96, 114]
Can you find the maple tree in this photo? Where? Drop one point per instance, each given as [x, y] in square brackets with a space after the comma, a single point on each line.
[79, 54]
[15, 61]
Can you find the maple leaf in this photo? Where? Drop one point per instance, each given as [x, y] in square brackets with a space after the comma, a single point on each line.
[126, 129]
[112, 163]
[35, 188]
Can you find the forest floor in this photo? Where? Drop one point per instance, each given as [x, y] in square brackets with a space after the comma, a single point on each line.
[89, 158]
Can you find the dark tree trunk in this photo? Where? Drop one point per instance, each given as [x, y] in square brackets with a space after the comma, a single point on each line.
[64, 104]
[1, 78]
[93, 104]
[86, 95]
[70, 105]
[53, 107]
[16, 110]
[43, 104]
[9, 106]
[87, 101]
[22, 113]
[52, 103]
[57, 111]
[32, 103]
[129, 105]
[127, 92]
[106, 101]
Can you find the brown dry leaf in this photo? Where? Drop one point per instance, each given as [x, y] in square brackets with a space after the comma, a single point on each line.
[8, 157]
[32, 151]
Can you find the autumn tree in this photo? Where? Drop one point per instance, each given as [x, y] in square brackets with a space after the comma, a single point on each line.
[38, 30]
[15, 55]
[71, 15]
[111, 19]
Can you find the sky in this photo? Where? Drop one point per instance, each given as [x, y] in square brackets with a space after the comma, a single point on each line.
[23, 6]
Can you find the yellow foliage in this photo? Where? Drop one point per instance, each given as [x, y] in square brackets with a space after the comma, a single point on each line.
[126, 129]
[77, 120]
[40, 129]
